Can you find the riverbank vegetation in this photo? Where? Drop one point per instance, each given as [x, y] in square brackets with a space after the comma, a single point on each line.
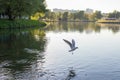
[17, 13]
[20, 24]
[79, 16]
[76, 16]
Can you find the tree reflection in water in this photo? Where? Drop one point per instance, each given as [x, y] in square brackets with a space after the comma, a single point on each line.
[87, 27]
[14, 59]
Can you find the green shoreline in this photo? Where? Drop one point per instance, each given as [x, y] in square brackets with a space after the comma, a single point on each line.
[109, 20]
[20, 24]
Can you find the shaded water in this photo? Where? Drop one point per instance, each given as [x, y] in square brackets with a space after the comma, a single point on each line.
[43, 55]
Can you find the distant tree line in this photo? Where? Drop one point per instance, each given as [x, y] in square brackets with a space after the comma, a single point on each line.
[114, 14]
[12, 9]
[66, 16]
[79, 16]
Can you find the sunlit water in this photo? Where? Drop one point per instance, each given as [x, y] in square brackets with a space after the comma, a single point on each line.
[43, 55]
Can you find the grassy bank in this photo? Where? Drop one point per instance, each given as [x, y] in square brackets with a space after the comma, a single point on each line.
[6, 24]
[116, 21]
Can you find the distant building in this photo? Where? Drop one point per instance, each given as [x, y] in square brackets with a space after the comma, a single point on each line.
[89, 11]
[64, 10]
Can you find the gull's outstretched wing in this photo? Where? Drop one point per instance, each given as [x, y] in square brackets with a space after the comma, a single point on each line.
[68, 43]
[73, 43]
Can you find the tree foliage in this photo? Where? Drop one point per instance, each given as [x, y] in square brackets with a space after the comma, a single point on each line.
[80, 16]
[114, 14]
[97, 15]
[18, 8]
[65, 16]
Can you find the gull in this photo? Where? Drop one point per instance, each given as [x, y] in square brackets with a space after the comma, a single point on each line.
[72, 45]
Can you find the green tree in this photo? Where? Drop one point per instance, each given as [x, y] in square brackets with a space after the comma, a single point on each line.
[71, 16]
[18, 8]
[53, 16]
[50, 15]
[91, 17]
[74, 16]
[97, 15]
[114, 14]
[80, 15]
[59, 16]
[65, 16]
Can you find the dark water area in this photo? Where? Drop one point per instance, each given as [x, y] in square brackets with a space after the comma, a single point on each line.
[41, 54]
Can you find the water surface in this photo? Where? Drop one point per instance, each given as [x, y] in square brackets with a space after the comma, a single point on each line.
[43, 55]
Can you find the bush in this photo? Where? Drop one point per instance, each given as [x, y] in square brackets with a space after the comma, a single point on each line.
[6, 24]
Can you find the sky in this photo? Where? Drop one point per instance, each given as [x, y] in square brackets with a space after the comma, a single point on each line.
[102, 5]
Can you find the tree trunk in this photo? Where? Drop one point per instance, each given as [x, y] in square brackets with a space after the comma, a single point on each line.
[10, 17]
[9, 14]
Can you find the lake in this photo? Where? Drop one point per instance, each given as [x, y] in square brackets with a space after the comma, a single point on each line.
[42, 54]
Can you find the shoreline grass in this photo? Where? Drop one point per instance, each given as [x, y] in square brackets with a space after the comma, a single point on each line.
[20, 24]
